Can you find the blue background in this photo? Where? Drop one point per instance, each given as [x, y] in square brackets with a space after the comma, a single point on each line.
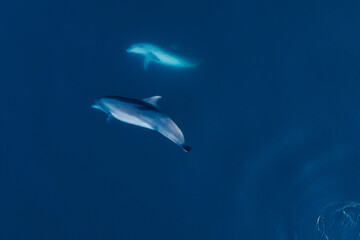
[272, 114]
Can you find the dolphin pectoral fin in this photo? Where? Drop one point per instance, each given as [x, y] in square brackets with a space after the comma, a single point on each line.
[109, 118]
[146, 62]
[186, 148]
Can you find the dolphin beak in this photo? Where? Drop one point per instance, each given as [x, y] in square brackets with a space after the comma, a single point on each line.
[96, 106]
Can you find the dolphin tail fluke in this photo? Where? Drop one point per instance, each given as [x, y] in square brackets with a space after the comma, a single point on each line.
[146, 62]
[186, 148]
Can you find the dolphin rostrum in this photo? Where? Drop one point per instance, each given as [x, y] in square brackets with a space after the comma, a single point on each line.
[142, 113]
[153, 53]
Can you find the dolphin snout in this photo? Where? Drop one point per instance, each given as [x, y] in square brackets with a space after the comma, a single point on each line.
[96, 105]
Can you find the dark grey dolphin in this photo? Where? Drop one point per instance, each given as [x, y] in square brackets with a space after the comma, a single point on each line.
[143, 113]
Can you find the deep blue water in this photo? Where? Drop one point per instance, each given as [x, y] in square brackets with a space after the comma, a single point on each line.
[272, 114]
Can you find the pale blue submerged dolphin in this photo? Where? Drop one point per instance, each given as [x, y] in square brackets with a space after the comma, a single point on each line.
[156, 54]
[142, 113]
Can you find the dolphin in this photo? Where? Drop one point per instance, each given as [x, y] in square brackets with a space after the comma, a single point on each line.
[156, 54]
[143, 113]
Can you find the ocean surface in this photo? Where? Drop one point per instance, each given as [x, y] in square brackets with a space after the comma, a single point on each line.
[272, 114]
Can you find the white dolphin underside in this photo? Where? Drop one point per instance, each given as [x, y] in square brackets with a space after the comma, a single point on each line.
[156, 54]
[142, 113]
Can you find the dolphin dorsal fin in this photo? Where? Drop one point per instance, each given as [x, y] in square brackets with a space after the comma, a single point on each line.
[152, 100]
[147, 60]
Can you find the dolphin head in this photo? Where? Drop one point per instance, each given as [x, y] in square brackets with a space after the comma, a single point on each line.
[139, 48]
[96, 105]
[99, 105]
